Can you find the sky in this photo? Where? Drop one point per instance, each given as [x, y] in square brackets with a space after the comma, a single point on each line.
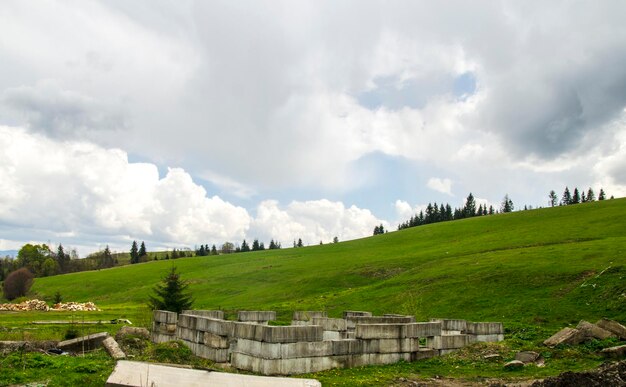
[185, 122]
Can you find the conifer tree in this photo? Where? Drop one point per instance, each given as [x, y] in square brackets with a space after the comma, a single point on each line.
[507, 204]
[255, 245]
[213, 250]
[63, 260]
[171, 294]
[134, 254]
[575, 197]
[142, 250]
[590, 195]
[335, 240]
[567, 197]
[602, 195]
[300, 242]
[470, 206]
[245, 247]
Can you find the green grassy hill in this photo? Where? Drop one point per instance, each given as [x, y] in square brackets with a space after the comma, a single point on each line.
[548, 266]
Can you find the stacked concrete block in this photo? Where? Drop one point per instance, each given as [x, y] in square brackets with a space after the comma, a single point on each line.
[218, 314]
[163, 326]
[316, 342]
[489, 332]
[355, 313]
[306, 317]
[256, 316]
[334, 328]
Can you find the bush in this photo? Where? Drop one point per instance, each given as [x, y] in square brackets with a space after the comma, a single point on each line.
[17, 284]
[71, 333]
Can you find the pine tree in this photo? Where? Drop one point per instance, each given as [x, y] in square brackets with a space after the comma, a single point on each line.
[255, 245]
[553, 198]
[590, 195]
[63, 260]
[507, 204]
[171, 294]
[575, 197]
[602, 195]
[300, 242]
[261, 246]
[107, 259]
[470, 206]
[142, 250]
[134, 254]
[567, 197]
[245, 247]
[335, 240]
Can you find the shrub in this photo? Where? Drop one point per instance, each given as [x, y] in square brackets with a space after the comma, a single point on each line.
[17, 284]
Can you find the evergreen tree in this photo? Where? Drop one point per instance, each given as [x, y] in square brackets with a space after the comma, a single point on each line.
[335, 240]
[575, 197]
[134, 253]
[255, 245]
[261, 246]
[491, 210]
[567, 197]
[300, 242]
[583, 198]
[244, 246]
[142, 250]
[63, 260]
[553, 198]
[507, 204]
[171, 294]
[602, 195]
[470, 206]
[213, 250]
[590, 195]
[107, 258]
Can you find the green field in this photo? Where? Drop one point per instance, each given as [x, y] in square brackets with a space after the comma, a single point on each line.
[535, 270]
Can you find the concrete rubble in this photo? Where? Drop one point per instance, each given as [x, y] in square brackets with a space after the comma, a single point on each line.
[614, 352]
[585, 330]
[315, 342]
[132, 331]
[566, 335]
[139, 374]
[85, 343]
[113, 348]
[613, 326]
[593, 330]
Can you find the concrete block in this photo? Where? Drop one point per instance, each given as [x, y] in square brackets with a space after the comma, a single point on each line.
[592, 330]
[259, 349]
[451, 324]
[289, 334]
[256, 315]
[390, 345]
[447, 342]
[215, 341]
[424, 353]
[333, 335]
[85, 343]
[217, 314]
[164, 316]
[613, 326]
[330, 324]
[614, 352]
[355, 313]
[347, 347]
[187, 321]
[216, 326]
[566, 335]
[190, 335]
[358, 320]
[379, 331]
[161, 338]
[306, 349]
[217, 355]
[133, 331]
[113, 348]
[308, 315]
[136, 374]
[423, 329]
[484, 328]
[245, 330]
[485, 338]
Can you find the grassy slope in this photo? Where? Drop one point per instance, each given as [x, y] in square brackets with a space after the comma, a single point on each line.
[544, 266]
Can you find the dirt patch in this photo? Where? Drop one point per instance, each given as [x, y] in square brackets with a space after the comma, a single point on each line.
[380, 273]
[611, 374]
[581, 277]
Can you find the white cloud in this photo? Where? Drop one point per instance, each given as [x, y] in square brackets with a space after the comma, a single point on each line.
[313, 221]
[440, 185]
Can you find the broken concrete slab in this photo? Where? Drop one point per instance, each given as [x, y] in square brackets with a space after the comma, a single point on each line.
[217, 314]
[514, 365]
[85, 343]
[258, 316]
[113, 348]
[566, 335]
[133, 373]
[614, 327]
[592, 330]
[614, 352]
[527, 356]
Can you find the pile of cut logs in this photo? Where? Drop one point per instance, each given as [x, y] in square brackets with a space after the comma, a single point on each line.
[41, 305]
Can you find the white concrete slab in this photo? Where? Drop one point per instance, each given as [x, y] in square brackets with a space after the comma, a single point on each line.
[134, 373]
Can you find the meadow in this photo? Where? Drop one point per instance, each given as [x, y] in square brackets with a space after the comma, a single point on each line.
[537, 271]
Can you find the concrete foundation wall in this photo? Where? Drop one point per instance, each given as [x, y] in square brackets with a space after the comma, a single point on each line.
[316, 342]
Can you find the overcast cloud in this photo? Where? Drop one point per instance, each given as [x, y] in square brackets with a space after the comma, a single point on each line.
[187, 122]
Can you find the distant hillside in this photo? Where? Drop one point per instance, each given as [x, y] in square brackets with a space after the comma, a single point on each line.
[549, 266]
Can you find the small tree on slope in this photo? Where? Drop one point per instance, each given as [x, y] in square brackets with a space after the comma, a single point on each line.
[171, 294]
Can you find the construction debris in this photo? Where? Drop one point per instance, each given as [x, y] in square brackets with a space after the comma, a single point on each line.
[613, 326]
[85, 343]
[569, 336]
[113, 348]
[31, 305]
